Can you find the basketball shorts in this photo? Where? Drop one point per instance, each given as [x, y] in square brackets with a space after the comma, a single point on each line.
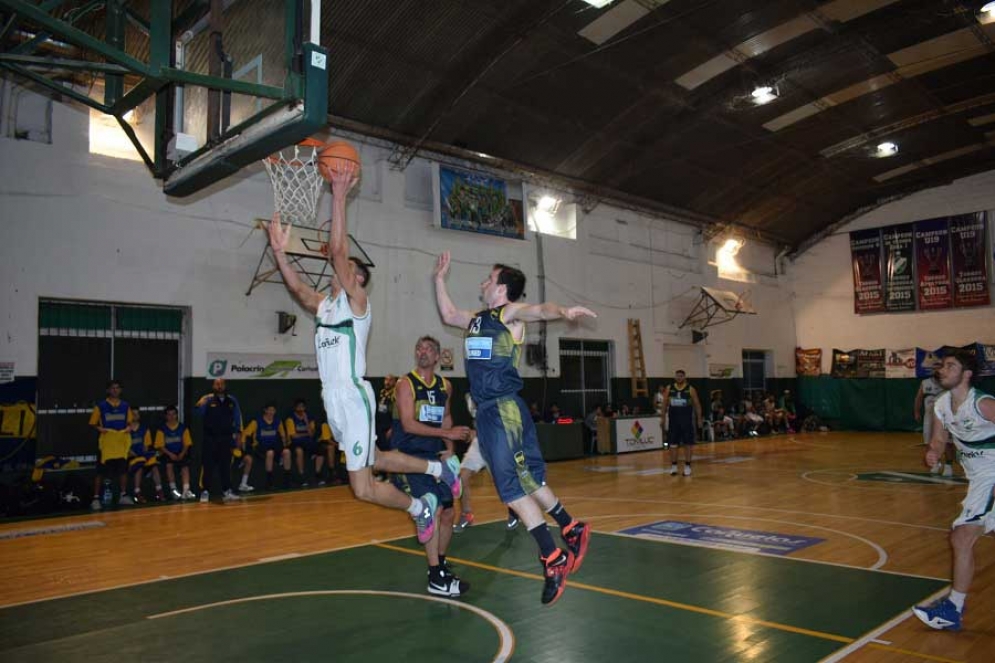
[979, 504]
[183, 462]
[350, 416]
[472, 459]
[419, 485]
[510, 447]
[112, 466]
[261, 448]
[680, 435]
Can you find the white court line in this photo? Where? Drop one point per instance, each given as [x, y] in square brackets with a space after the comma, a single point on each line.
[748, 508]
[229, 567]
[852, 478]
[505, 636]
[882, 555]
[880, 630]
[279, 558]
[927, 479]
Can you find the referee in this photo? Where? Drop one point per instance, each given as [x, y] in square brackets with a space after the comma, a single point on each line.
[222, 429]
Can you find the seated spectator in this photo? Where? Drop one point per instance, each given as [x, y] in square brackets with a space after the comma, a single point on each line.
[300, 429]
[636, 410]
[534, 411]
[266, 437]
[751, 420]
[625, 412]
[554, 414]
[722, 424]
[142, 458]
[173, 443]
[787, 408]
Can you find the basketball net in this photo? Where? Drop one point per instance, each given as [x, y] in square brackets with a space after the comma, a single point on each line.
[296, 181]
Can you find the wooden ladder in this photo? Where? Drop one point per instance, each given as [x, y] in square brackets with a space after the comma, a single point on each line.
[637, 361]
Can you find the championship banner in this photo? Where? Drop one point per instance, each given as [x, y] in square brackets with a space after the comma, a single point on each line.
[899, 262]
[240, 366]
[870, 363]
[986, 360]
[808, 362]
[968, 242]
[865, 253]
[900, 363]
[933, 264]
[926, 360]
[844, 364]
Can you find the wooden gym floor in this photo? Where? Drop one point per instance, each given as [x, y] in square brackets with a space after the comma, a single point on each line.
[315, 575]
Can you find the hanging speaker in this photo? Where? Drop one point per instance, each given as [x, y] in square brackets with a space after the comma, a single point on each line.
[698, 336]
[286, 321]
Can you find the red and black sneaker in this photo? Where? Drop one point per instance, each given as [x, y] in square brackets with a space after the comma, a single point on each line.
[577, 536]
[556, 568]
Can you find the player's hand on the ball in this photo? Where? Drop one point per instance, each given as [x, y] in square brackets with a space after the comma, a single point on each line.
[344, 178]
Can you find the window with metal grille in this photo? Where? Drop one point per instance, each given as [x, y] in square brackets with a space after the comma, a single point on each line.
[754, 372]
[82, 345]
[585, 375]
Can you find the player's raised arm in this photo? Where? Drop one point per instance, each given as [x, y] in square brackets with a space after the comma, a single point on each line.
[545, 311]
[450, 314]
[343, 179]
[279, 239]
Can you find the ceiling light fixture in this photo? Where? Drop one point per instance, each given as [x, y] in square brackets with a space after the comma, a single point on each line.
[987, 14]
[763, 94]
[886, 149]
[598, 4]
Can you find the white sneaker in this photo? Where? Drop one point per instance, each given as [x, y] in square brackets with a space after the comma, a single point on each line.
[936, 469]
[205, 497]
[687, 470]
[177, 495]
[126, 500]
[245, 488]
[95, 505]
[948, 470]
[188, 495]
[673, 470]
[230, 496]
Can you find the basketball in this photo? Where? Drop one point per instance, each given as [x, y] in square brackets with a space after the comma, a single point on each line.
[335, 156]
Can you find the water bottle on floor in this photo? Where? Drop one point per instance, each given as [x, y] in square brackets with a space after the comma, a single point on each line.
[108, 496]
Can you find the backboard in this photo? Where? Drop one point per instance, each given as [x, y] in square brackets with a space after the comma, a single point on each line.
[201, 87]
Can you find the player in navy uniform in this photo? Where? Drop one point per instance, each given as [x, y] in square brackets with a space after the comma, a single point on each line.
[423, 428]
[505, 431]
[682, 410]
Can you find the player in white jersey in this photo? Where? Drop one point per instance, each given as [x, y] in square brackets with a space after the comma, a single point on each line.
[929, 390]
[966, 416]
[342, 322]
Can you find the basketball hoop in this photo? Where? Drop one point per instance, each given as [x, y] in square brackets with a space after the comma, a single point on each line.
[296, 182]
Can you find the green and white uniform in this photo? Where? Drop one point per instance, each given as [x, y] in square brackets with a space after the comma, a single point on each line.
[974, 437]
[340, 342]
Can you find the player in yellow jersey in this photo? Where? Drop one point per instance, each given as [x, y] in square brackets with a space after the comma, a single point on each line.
[110, 418]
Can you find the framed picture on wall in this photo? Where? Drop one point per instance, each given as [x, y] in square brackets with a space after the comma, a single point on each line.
[477, 202]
